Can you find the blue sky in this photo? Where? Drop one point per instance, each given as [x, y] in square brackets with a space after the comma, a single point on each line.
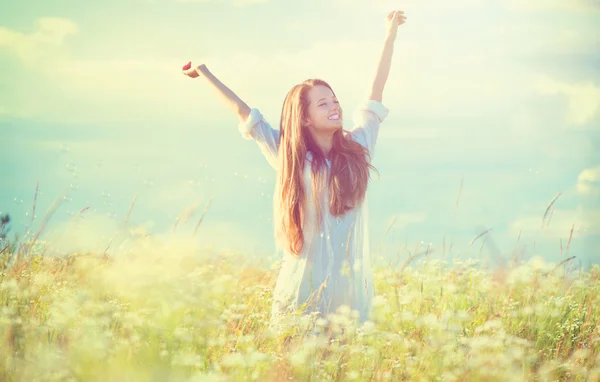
[504, 95]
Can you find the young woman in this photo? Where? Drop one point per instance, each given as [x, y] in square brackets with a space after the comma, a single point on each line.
[320, 206]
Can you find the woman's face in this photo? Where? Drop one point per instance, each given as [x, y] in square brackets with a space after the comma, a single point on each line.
[324, 111]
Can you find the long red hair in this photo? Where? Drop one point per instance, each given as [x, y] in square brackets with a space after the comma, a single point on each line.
[347, 180]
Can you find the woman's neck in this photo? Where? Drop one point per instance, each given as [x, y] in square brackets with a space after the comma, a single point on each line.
[324, 141]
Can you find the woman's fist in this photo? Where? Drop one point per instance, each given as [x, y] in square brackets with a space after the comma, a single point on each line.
[394, 20]
[190, 71]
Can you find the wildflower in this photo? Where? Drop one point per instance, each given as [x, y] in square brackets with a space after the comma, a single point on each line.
[367, 327]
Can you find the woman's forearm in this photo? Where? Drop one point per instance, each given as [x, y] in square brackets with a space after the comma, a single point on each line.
[231, 99]
[383, 68]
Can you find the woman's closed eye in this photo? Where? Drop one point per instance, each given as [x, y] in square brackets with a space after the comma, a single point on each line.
[323, 104]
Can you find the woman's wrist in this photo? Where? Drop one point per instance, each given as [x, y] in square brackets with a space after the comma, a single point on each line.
[202, 70]
[391, 34]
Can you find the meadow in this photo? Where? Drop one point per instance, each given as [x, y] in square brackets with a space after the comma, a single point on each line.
[162, 312]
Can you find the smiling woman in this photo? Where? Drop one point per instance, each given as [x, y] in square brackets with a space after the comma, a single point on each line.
[320, 206]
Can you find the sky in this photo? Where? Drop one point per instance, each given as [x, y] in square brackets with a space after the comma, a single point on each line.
[494, 111]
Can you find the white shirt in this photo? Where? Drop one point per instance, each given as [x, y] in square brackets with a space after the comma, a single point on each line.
[337, 256]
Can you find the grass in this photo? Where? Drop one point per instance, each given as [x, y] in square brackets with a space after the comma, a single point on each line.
[163, 313]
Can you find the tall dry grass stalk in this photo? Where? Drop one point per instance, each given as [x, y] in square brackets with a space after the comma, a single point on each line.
[569, 241]
[37, 185]
[202, 217]
[559, 264]
[548, 208]
[79, 214]
[123, 227]
[389, 227]
[53, 208]
[413, 257]
[478, 236]
[550, 216]
[482, 244]
[185, 215]
[128, 213]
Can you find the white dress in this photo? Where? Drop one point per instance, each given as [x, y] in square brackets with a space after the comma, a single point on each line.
[334, 267]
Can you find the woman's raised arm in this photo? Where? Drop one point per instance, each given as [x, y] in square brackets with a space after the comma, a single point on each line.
[372, 113]
[252, 124]
[394, 20]
[229, 97]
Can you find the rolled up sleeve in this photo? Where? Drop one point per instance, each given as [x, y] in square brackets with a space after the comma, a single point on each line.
[367, 120]
[256, 128]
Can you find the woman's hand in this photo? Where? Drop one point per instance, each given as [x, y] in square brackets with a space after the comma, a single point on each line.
[394, 20]
[192, 72]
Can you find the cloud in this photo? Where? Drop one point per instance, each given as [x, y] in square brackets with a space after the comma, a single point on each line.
[472, 80]
[50, 33]
[524, 35]
[233, 2]
[588, 182]
[433, 5]
[583, 98]
[552, 5]
[123, 90]
[248, 2]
